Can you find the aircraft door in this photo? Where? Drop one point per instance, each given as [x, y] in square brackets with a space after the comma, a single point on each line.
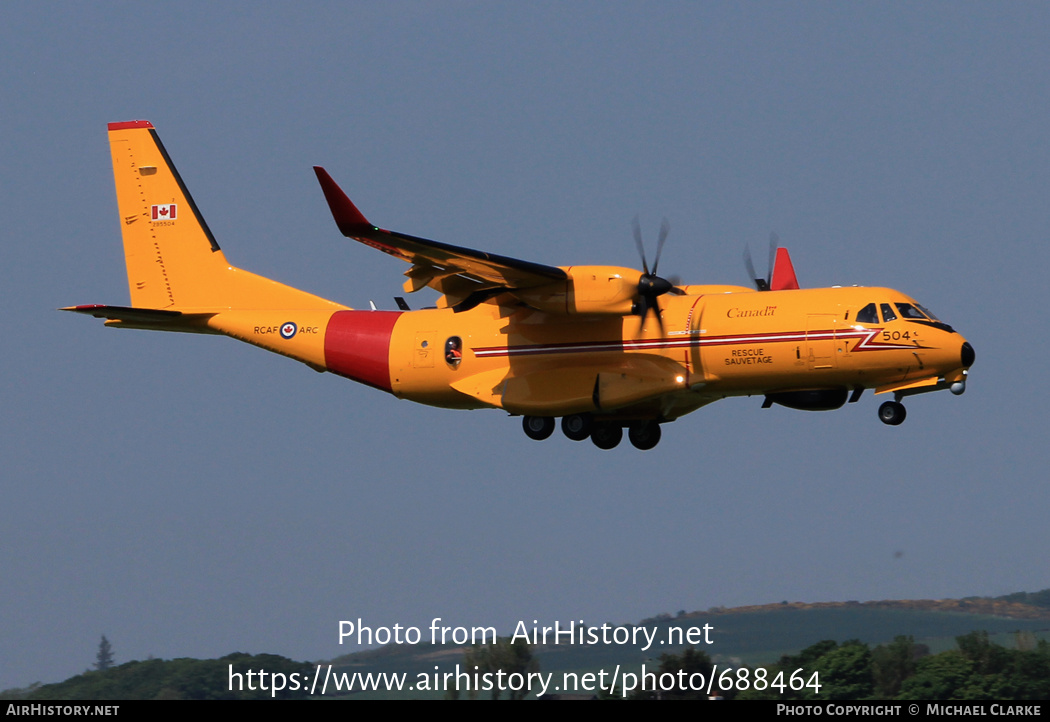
[694, 331]
[424, 351]
[821, 348]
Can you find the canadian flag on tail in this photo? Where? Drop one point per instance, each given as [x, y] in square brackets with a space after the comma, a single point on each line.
[166, 212]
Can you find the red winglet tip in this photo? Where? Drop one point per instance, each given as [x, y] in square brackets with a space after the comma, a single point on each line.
[783, 273]
[348, 218]
[130, 124]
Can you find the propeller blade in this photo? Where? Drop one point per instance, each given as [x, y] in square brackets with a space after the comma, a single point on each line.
[762, 284]
[637, 228]
[750, 265]
[650, 303]
[774, 243]
[665, 228]
[650, 285]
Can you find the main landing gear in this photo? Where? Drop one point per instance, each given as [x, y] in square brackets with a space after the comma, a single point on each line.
[538, 428]
[643, 435]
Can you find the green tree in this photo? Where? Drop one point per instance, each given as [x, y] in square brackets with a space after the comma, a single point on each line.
[940, 676]
[510, 658]
[691, 661]
[104, 658]
[845, 672]
[893, 663]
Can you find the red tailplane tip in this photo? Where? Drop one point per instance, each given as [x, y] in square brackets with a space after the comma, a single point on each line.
[130, 124]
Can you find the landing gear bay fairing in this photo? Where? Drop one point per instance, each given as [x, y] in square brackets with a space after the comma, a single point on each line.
[602, 348]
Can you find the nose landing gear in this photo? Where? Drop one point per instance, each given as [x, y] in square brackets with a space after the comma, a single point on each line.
[892, 413]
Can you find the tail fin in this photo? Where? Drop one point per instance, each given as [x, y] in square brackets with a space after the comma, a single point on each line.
[171, 255]
[172, 258]
[783, 278]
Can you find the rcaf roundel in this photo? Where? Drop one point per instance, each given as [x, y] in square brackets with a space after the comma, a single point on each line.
[164, 212]
[288, 330]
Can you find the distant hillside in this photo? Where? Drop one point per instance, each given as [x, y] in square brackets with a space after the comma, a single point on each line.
[1022, 605]
[180, 679]
[761, 634]
[753, 635]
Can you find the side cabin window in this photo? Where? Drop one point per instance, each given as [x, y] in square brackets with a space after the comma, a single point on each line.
[868, 314]
[453, 351]
[887, 313]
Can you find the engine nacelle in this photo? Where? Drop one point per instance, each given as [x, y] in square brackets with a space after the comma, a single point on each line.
[597, 290]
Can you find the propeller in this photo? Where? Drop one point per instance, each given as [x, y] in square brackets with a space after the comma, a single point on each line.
[762, 284]
[650, 285]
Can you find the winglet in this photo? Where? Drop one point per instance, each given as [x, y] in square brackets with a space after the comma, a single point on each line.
[783, 273]
[350, 221]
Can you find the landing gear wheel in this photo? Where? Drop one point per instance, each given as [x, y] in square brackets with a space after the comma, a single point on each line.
[892, 413]
[577, 426]
[538, 428]
[644, 435]
[606, 435]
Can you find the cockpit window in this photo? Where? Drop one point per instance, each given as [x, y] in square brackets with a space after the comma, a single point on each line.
[927, 312]
[887, 313]
[909, 311]
[868, 314]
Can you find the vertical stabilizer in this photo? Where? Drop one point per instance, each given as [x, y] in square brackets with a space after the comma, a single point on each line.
[172, 258]
[783, 278]
[171, 255]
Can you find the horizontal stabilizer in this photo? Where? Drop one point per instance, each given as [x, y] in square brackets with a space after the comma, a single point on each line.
[146, 318]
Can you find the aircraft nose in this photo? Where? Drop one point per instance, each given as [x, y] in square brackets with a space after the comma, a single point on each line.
[968, 355]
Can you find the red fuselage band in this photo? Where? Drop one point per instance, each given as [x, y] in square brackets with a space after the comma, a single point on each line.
[357, 345]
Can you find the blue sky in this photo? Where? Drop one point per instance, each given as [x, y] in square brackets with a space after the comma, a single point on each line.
[191, 496]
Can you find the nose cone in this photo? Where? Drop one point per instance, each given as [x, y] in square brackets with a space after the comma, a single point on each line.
[968, 355]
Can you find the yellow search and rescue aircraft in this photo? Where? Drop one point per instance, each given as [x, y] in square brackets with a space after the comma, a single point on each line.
[604, 348]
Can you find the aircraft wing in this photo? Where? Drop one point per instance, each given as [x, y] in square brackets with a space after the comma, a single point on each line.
[463, 274]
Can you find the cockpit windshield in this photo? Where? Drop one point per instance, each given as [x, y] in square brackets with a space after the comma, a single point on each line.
[893, 311]
[909, 311]
[927, 312]
[915, 312]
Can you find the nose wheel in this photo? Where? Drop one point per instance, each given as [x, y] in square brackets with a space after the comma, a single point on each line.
[892, 413]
